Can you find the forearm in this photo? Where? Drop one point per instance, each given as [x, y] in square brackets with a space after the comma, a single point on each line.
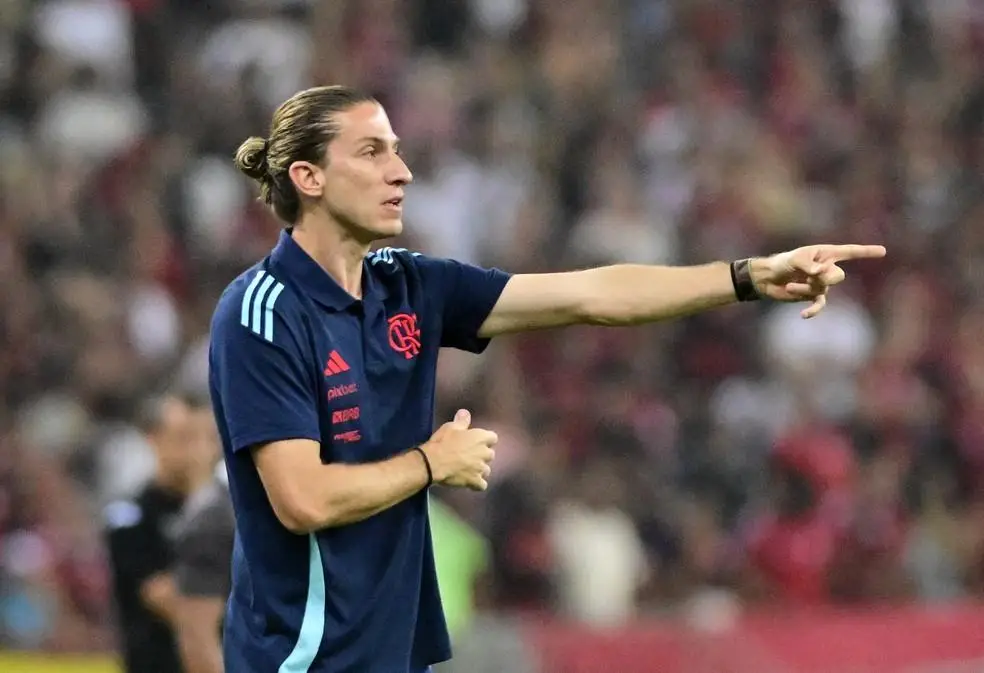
[343, 494]
[632, 294]
[200, 652]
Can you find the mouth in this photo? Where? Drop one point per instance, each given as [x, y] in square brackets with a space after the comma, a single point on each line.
[395, 202]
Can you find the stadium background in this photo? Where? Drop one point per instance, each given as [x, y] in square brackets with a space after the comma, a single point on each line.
[630, 522]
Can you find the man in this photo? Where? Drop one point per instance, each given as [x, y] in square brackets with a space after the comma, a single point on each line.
[139, 539]
[322, 371]
[203, 557]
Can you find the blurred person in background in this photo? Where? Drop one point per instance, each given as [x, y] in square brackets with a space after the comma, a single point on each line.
[203, 554]
[140, 534]
[601, 562]
[792, 547]
[868, 567]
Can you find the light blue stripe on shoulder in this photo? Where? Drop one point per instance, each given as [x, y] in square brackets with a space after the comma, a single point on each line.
[386, 255]
[268, 309]
[248, 297]
[258, 303]
[313, 623]
[377, 256]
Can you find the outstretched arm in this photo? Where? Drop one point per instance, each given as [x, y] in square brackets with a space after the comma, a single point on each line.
[630, 294]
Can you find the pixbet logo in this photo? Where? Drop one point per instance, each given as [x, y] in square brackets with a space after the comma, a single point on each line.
[341, 391]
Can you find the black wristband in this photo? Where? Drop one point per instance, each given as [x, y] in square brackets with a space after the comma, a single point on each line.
[741, 279]
[427, 464]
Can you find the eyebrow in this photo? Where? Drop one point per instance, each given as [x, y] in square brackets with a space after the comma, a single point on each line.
[376, 140]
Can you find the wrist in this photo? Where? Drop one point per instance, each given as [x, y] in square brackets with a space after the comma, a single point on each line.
[747, 276]
[419, 450]
[761, 270]
[438, 472]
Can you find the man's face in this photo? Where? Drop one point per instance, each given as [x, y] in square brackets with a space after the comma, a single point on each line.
[364, 175]
[203, 440]
[170, 441]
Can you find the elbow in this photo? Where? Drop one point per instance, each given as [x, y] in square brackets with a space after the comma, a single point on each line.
[302, 517]
[296, 515]
[304, 494]
[297, 523]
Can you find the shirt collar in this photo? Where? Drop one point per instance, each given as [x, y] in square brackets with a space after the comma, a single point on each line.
[291, 260]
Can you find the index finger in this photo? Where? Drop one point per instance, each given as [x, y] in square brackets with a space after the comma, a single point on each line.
[846, 252]
[486, 437]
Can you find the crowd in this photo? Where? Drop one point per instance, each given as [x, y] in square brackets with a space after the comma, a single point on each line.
[742, 454]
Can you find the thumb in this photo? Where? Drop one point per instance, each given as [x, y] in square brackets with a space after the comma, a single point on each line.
[462, 419]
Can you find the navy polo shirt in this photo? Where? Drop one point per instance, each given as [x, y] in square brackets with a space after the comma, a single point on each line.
[295, 356]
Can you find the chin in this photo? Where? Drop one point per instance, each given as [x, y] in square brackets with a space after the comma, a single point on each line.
[385, 229]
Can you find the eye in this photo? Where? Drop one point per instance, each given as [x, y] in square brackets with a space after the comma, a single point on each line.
[371, 152]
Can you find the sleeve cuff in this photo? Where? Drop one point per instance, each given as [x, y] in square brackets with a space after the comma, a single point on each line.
[249, 440]
[483, 301]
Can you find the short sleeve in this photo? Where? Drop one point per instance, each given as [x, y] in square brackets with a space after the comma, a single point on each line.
[204, 554]
[264, 383]
[467, 294]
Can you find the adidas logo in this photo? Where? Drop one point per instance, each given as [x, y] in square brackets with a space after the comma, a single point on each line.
[335, 364]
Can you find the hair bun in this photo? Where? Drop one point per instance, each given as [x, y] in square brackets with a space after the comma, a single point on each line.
[251, 158]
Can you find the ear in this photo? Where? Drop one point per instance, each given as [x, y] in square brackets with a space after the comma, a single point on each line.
[308, 179]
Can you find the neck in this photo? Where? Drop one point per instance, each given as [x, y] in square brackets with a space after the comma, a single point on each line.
[335, 251]
[173, 484]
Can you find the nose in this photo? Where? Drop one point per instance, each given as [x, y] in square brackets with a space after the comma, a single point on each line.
[400, 174]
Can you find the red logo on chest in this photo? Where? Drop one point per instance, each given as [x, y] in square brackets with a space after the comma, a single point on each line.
[404, 335]
[350, 437]
[345, 415]
[335, 364]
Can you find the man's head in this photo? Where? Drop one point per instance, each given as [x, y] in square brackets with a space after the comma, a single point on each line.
[175, 427]
[203, 439]
[331, 150]
[164, 422]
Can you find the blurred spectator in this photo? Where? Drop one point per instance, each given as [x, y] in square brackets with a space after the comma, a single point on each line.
[600, 558]
[141, 533]
[793, 546]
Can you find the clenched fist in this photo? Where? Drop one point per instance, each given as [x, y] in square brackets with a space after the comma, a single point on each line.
[460, 455]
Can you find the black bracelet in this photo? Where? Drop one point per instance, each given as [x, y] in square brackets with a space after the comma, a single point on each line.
[741, 279]
[427, 464]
